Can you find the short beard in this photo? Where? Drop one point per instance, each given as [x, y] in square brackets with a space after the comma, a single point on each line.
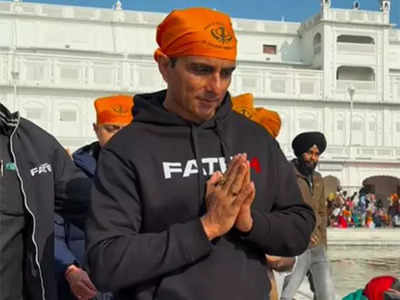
[305, 168]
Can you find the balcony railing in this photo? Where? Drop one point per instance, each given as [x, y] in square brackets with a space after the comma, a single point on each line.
[357, 16]
[354, 153]
[141, 75]
[355, 48]
[356, 84]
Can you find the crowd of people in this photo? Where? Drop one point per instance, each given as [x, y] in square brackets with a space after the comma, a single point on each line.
[362, 209]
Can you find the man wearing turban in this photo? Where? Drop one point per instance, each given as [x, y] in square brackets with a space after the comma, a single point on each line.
[112, 114]
[190, 196]
[308, 146]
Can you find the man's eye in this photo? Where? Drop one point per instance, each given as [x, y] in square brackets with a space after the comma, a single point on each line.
[226, 73]
[111, 128]
[201, 70]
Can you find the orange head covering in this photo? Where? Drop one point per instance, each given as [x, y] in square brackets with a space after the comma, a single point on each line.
[377, 286]
[269, 119]
[114, 110]
[198, 32]
[244, 104]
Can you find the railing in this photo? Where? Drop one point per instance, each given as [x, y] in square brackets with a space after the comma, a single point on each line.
[123, 74]
[132, 17]
[357, 16]
[353, 153]
[356, 84]
[141, 75]
[394, 35]
[362, 153]
[354, 48]
[81, 13]
[265, 26]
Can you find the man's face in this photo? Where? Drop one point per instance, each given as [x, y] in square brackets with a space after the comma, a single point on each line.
[196, 85]
[105, 132]
[311, 157]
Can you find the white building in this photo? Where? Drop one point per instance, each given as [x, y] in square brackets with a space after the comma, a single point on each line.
[338, 72]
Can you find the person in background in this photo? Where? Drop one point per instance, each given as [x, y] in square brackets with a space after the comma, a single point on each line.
[37, 177]
[308, 146]
[177, 211]
[378, 288]
[279, 267]
[112, 114]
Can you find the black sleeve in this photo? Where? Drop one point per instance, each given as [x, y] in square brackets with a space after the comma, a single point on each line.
[72, 188]
[115, 243]
[286, 229]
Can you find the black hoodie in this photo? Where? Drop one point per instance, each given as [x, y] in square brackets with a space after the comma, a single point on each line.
[145, 238]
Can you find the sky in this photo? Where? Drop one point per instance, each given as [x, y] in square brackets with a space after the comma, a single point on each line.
[289, 10]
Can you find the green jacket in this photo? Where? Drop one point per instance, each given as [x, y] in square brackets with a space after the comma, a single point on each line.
[357, 295]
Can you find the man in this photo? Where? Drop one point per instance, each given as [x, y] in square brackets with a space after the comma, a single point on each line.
[378, 288]
[112, 114]
[279, 266]
[158, 228]
[308, 147]
[37, 177]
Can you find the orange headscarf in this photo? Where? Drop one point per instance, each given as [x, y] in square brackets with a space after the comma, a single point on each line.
[114, 110]
[376, 287]
[269, 119]
[198, 32]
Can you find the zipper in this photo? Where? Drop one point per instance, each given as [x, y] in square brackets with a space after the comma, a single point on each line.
[28, 209]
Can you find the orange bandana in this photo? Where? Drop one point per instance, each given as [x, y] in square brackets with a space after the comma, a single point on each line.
[270, 120]
[197, 32]
[114, 110]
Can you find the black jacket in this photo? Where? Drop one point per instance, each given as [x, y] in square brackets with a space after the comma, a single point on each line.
[145, 238]
[49, 182]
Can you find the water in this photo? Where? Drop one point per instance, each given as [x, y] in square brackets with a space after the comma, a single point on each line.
[353, 266]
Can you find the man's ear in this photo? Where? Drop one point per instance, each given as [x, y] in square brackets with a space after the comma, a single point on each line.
[95, 129]
[163, 65]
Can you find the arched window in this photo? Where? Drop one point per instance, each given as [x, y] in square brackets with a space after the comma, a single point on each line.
[35, 112]
[371, 138]
[355, 73]
[317, 43]
[396, 131]
[67, 120]
[357, 131]
[356, 39]
[340, 130]
[307, 122]
[284, 134]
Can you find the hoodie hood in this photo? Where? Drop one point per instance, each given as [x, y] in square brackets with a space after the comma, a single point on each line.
[8, 120]
[149, 109]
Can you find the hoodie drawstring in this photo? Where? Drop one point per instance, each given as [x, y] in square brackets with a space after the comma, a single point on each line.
[224, 148]
[200, 175]
[201, 180]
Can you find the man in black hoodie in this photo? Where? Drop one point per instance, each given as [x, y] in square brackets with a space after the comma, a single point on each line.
[170, 219]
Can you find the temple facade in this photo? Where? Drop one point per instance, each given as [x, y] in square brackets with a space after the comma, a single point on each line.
[337, 72]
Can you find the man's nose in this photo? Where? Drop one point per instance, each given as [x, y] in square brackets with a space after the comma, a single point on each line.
[214, 83]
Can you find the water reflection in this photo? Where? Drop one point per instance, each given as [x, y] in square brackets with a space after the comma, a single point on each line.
[353, 266]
